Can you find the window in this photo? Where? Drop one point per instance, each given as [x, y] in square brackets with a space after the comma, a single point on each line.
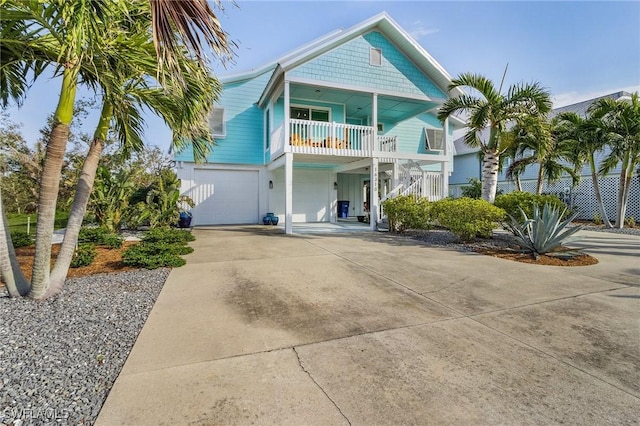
[268, 129]
[434, 139]
[375, 56]
[217, 123]
[303, 113]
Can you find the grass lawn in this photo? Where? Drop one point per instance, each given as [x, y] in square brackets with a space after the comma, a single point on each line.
[18, 221]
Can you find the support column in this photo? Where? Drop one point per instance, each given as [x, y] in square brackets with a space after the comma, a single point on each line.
[287, 116]
[288, 193]
[374, 119]
[445, 179]
[374, 208]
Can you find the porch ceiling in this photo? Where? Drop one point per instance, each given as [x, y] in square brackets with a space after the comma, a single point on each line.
[359, 105]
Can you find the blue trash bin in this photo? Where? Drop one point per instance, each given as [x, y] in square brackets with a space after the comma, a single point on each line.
[343, 209]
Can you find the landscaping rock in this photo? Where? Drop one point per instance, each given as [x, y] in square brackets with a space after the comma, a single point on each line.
[60, 357]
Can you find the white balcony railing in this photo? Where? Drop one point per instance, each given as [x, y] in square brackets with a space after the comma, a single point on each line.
[316, 137]
[324, 138]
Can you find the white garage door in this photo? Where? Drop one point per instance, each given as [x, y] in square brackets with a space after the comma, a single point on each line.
[225, 197]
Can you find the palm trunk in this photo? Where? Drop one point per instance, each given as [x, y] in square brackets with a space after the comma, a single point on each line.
[540, 179]
[518, 183]
[10, 272]
[50, 184]
[490, 175]
[622, 191]
[596, 190]
[80, 200]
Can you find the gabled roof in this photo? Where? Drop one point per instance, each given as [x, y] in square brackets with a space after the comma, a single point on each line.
[382, 23]
[581, 108]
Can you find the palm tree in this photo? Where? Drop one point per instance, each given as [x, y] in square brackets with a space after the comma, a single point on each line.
[71, 36]
[622, 134]
[492, 112]
[585, 136]
[536, 145]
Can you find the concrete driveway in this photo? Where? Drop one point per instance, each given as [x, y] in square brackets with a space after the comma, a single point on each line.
[370, 328]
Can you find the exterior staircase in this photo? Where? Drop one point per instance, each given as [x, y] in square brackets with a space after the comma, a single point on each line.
[412, 180]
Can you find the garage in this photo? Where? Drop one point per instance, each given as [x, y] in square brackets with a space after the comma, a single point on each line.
[225, 197]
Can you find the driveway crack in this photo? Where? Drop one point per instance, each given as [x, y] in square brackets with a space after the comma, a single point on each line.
[318, 385]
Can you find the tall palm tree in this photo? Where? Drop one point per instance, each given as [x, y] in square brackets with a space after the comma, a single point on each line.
[622, 134]
[71, 35]
[586, 137]
[492, 112]
[536, 145]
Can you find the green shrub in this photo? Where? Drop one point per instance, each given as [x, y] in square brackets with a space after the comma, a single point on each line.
[155, 255]
[544, 232]
[84, 255]
[407, 212]
[100, 236]
[514, 201]
[467, 218]
[473, 190]
[597, 219]
[630, 221]
[21, 239]
[168, 235]
[160, 247]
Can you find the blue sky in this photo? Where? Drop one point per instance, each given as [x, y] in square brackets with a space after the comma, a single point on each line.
[578, 50]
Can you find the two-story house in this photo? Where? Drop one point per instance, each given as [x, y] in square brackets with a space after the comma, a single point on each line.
[348, 117]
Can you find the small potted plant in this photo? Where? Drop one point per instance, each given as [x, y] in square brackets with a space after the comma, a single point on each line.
[184, 207]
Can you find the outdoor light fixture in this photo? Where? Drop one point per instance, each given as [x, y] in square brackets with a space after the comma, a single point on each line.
[335, 185]
[317, 90]
[270, 184]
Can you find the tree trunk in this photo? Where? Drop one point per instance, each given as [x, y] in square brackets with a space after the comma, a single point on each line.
[518, 183]
[540, 179]
[622, 191]
[50, 184]
[78, 210]
[596, 190]
[490, 175]
[80, 200]
[10, 272]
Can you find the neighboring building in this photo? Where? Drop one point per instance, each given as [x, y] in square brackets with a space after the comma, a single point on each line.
[348, 117]
[467, 165]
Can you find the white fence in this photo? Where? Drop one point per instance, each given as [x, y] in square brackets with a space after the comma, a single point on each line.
[580, 198]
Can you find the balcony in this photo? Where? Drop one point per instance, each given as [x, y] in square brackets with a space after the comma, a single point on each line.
[330, 138]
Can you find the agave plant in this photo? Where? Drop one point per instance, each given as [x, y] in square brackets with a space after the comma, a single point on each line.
[544, 232]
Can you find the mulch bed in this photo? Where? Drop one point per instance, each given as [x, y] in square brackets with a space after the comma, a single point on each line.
[107, 261]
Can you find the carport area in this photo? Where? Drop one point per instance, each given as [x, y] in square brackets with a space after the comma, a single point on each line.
[370, 328]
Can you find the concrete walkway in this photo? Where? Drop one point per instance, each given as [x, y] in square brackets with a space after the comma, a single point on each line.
[370, 328]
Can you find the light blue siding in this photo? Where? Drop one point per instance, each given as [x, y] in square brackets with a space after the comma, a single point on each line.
[244, 143]
[464, 167]
[410, 133]
[349, 64]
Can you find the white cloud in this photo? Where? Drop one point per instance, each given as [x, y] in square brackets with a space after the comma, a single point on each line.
[418, 30]
[568, 98]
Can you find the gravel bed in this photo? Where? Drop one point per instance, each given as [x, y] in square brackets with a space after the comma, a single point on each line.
[626, 231]
[60, 357]
[501, 238]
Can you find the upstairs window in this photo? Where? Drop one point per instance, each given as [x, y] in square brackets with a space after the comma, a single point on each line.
[303, 113]
[434, 139]
[217, 124]
[375, 57]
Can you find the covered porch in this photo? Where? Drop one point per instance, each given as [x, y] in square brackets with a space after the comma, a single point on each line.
[306, 188]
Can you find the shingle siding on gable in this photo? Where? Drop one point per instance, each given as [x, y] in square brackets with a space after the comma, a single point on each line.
[349, 64]
[245, 124]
